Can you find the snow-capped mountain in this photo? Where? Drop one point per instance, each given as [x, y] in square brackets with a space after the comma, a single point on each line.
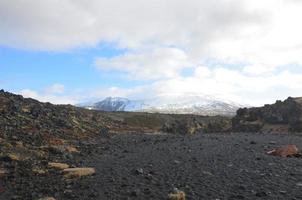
[117, 104]
[172, 104]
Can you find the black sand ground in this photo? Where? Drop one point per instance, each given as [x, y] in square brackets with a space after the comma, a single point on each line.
[141, 166]
[203, 166]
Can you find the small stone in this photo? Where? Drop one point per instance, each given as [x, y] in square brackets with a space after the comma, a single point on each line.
[19, 144]
[59, 166]
[139, 171]
[10, 157]
[299, 184]
[14, 157]
[149, 176]
[176, 195]
[55, 149]
[134, 193]
[2, 173]
[68, 193]
[147, 191]
[16, 197]
[47, 198]
[94, 194]
[253, 142]
[207, 173]
[72, 149]
[78, 172]
[261, 194]
[177, 162]
[230, 165]
[282, 192]
[272, 142]
[242, 187]
[39, 171]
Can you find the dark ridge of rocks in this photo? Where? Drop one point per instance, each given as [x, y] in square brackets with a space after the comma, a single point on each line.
[283, 116]
[44, 122]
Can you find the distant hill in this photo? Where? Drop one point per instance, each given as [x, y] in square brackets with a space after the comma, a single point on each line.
[169, 104]
[283, 116]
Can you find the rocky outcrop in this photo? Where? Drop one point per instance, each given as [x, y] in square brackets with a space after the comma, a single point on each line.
[43, 123]
[183, 127]
[283, 116]
[197, 125]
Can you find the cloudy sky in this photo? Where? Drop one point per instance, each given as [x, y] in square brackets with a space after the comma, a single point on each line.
[69, 51]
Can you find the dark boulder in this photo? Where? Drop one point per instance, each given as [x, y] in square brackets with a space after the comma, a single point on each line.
[182, 127]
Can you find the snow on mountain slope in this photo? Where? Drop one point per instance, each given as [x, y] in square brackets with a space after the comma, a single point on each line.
[172, 104]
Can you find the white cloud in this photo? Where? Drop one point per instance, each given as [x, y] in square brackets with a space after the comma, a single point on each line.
[202, 72]
[55, 89]
[101, 92]
[147, 64]
[219, 82]
[63, 24]
[53, 94]
[255, 31]
[79, 96]
[259, 32]
[27, 93]
[235, 86]
[165, 37]
[52, 98]
[258, 69]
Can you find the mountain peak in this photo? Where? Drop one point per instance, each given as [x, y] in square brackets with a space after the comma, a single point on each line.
[116, 99]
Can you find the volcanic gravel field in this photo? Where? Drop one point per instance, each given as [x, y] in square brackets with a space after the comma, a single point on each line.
[150, 166]
[204, 166]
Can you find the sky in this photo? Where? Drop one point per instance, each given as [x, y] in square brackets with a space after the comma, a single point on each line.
[73, 51]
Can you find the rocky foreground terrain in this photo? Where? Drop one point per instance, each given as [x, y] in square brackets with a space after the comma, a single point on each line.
[62, 152]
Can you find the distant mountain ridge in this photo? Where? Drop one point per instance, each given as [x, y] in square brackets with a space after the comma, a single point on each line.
[170, 104]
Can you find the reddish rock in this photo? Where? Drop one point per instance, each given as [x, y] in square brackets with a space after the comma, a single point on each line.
[285, 151]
